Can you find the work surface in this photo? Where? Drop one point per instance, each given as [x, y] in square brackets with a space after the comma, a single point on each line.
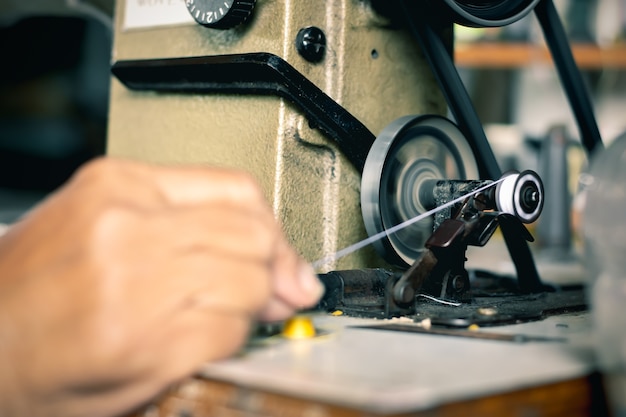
[389, 372]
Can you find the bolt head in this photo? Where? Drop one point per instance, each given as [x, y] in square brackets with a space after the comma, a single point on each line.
[311, 43]
[459, 284]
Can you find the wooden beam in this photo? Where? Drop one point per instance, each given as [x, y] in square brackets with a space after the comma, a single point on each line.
[518, 55]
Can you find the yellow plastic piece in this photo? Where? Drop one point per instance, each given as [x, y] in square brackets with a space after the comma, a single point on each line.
[337, 313]
[299, 327]
[473, 327]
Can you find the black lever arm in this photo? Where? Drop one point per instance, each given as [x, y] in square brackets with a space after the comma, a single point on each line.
[253, 73]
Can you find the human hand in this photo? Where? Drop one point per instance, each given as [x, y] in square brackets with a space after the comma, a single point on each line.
[130, 277]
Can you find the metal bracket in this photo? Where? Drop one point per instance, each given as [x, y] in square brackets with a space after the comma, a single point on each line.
[256, 74]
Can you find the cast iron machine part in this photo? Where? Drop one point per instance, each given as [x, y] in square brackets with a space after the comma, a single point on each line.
[262, 73]
[418, 163]
[256, 74]
[425, 19]
[438, 268]
[440, 271]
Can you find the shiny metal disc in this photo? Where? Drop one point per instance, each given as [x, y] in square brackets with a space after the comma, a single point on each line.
[407, 152]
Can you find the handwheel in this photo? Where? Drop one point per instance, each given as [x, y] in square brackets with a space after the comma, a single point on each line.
[408, 152]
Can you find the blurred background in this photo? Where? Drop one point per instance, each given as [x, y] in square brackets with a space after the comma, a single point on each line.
[54, 89]
[522, 105]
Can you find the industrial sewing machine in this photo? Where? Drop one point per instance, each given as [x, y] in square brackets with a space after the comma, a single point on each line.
[338, 109]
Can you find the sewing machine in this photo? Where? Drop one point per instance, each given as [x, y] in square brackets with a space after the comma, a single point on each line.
[339, 109]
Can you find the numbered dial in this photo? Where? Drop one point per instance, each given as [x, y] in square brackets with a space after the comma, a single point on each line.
[220, 14]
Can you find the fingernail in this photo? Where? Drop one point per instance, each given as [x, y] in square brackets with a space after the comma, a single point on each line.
[309, 281]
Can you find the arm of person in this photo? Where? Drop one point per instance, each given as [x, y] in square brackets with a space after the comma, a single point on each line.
[130, 277]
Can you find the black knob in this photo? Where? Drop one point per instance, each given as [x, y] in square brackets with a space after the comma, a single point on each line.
[311, 43]
[220, 14]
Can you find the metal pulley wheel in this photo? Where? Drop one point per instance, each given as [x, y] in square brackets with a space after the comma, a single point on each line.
[489, 13]
[408, 152]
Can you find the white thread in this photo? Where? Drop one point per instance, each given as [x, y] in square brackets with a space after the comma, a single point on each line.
[358, 245]
[439, 300]
[505, 200]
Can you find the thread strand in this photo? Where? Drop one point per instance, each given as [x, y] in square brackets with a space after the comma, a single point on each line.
[365, 242]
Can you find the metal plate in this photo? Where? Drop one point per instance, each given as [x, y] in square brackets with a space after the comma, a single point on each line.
[409, 151]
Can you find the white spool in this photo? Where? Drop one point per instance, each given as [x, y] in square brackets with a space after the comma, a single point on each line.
[504, 194]
[509, 194]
